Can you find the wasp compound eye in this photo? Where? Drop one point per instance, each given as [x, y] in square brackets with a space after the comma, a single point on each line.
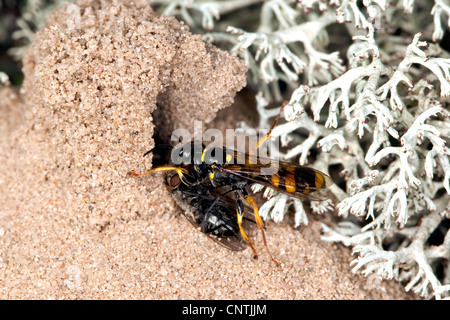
[173, 181]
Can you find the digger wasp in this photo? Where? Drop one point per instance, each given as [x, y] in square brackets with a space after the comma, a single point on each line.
[212, 174]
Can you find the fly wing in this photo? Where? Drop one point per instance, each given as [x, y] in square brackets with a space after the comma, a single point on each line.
[222, 207]
[233, 242]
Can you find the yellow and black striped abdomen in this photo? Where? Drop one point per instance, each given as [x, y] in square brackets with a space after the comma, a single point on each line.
[296, 179]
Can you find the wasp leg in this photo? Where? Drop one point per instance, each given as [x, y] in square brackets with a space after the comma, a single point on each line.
[180, 171]
[217, 200]
[244, 235]
[260, 224]
[267, 136]
[240, 216]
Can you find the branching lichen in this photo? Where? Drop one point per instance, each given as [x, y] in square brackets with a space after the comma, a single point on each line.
[439, 9]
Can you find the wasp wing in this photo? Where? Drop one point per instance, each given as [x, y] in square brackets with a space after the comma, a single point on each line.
[295, 180]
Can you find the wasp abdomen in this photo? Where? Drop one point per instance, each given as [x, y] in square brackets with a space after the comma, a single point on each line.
[298, 179]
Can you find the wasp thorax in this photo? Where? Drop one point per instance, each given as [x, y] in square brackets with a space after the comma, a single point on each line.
[188, 153]
[214, 155]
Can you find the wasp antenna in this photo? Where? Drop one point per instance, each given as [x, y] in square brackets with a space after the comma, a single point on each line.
[147, 152]
[159, 147]
[267, 136]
